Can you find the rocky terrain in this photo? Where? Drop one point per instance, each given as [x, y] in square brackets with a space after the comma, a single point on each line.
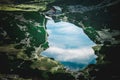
[23, 36]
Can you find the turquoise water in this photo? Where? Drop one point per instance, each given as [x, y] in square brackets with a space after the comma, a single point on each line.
[69, 45]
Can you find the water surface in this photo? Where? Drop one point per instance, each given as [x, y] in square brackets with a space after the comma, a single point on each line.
[69, 45]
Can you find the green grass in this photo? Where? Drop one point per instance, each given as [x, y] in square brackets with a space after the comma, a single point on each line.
[22, 7]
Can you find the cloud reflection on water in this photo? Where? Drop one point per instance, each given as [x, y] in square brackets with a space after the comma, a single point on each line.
[68, 43]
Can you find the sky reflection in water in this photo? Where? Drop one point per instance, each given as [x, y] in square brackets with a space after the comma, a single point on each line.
[69, 45]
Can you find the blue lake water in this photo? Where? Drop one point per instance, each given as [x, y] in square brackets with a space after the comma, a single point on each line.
[69, 45]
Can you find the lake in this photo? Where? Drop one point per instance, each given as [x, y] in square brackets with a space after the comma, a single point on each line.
[69, 45]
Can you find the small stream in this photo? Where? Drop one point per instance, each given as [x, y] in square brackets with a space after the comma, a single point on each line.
[69, 45]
